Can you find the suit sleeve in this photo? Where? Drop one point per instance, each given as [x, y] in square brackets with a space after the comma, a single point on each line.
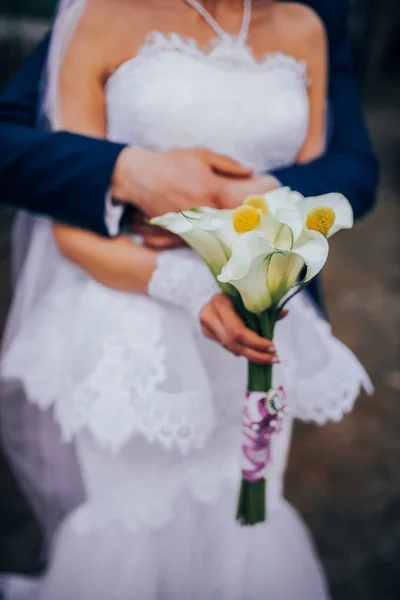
[349, 165]
[62, 175]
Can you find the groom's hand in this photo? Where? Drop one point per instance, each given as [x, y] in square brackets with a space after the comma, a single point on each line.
[234, 191]
[161, 182]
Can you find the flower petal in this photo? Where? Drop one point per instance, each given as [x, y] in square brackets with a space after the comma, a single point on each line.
[283, 272]
[174, 222]
[283, 205]
[219, 224]
[201, 241]
[338, 203]
[276, 232]
[282, 197]
[310, 251]
[313, 248]
[247, 270]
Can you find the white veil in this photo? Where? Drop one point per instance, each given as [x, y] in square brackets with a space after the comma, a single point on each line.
[46, 469]
[67, 17]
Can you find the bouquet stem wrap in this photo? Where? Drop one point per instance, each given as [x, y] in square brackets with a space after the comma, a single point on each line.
[262, 416]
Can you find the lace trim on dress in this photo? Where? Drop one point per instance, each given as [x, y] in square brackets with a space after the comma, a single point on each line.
[105, 372]
[228, 49]
[330, 388]
[332, 392]
[184, 280]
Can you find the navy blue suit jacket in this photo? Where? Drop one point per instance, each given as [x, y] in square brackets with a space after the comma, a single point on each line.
[66, 176]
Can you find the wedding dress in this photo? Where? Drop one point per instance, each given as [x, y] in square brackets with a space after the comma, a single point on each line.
[154, 407]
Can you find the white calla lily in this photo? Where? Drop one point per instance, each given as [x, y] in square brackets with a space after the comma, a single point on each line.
[264, 274]
[203, 243]
[282, 196]
[283, 206]
[279, 233]
[218, 223]
[246, 270]
[335, 206]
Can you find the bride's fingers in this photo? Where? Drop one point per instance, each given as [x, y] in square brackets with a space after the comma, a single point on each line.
[283, 313]
[216, 332]
[162, 242]
[208, 332]
[260, 358]
[230, 333]
[236, 329]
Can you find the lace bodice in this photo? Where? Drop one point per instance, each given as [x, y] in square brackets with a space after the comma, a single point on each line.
[173, 94]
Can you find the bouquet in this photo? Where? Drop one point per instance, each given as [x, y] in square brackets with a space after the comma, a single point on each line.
[262, 253]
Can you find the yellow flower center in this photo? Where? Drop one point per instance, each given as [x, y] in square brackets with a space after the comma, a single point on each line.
[257, 202]
[245, 218]
[321, 218]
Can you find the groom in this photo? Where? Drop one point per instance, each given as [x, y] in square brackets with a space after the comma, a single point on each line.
[87, 182]
[72, 178]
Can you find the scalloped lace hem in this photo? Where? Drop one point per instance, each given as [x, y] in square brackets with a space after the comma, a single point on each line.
[332, 392]
[327, 389]
[110, 372]
[106, 372]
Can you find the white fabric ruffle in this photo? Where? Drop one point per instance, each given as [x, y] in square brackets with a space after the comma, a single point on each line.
[200, 554]
[322, 377]
[183, 280]
[99, 358]
[121, 365]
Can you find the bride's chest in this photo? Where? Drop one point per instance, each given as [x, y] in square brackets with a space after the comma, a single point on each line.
[178, 97]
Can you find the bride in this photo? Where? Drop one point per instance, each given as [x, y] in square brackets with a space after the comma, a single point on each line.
[109, 333]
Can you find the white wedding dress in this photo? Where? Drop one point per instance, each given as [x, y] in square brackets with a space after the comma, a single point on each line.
[154, 408]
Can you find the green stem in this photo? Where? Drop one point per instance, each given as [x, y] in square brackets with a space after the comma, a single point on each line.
[299, 288]
[260, 376]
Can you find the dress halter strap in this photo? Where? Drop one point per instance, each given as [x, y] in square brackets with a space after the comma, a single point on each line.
[244, 30]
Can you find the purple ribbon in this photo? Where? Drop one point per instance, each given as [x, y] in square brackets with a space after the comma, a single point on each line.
[262, 418]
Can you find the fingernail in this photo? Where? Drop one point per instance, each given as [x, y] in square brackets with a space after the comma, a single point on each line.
[275, 360]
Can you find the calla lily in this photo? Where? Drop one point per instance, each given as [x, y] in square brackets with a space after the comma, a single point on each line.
[263, 274]
[218, 223]
[201, 241]
[283, 206]
[328, 213]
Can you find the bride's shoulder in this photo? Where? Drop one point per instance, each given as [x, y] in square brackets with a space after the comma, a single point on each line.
[109, 15]
[106, 32]
[299, 19]
[301, 26]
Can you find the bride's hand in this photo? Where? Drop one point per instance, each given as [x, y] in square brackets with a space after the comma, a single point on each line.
[155, 237]
[162, 240]
[220, 322]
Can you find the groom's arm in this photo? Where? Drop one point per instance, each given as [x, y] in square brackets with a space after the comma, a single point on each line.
[349, 165]
[61, 175]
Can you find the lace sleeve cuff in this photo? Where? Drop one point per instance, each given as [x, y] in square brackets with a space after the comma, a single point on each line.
[183, 279]
[112, 216]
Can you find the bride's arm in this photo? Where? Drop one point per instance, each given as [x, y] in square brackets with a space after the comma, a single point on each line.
[119, 263]
[116, 263]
